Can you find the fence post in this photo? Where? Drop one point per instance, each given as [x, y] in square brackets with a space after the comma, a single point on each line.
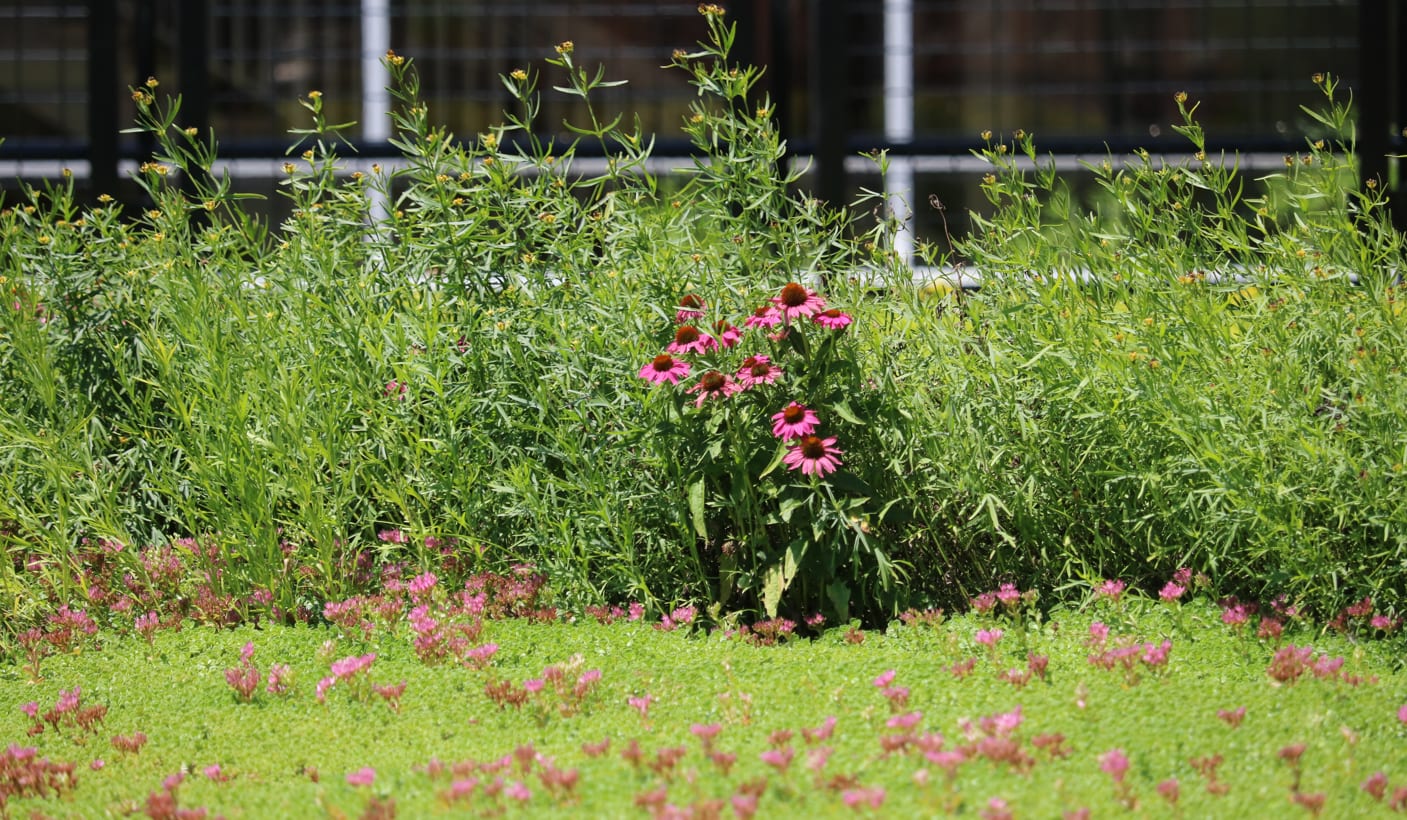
[194, 70]
[102, 97]
[829, 98]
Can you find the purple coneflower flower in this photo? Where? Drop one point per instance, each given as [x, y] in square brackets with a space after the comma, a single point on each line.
[757, 370]
[690, 307]
[832, 319]
[689, 339]
[714, 385]
[726, 334]
[795, 421]
[664, 368]
[813, 455]
[765, 316]
[797, 302]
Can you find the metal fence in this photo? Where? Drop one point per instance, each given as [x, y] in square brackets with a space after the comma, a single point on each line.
[920, 77]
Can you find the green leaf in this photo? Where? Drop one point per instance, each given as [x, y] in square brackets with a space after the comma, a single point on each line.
[839, 594]
[774, 583]
[842, 409]
[776, 460]
[696, 508]
[788, 507]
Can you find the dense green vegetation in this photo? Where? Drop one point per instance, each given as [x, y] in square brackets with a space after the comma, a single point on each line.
[479, 361]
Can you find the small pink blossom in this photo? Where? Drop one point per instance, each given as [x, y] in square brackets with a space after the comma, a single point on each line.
[861, 798]
[1114, 763]
[989, 637]
[779, 759]
[908, 720]
[641, 704]
[1112, 588]
[364, 776]
[887, 677]
[395, 389]
[1171, 592]
[97, 764]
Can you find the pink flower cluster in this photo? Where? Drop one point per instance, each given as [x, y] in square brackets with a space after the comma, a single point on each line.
[352, 671]
[812, 454]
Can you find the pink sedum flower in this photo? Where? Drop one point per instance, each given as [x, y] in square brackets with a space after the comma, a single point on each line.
[1171, 592]
[364, 776]
[1114, 763]
[665, 369]
[794, 421]
[689, 339]
[1113, 589]
[832, 319]
[814, 456]
[797, 302]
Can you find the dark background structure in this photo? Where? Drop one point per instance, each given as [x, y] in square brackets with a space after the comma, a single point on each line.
[1087, 77]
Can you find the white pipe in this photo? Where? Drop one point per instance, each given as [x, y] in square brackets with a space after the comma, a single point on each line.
[376, 100]
[899, 118]
[376, 41]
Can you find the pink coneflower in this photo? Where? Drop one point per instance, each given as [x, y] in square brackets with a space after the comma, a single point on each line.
[714, 385]
[798, 302]
[813, 455]
[832, 319]
[726, 334]
[690, 307]
[765, 316]
[689, 339]
[795, 421]
[757, 370]
[664, 368]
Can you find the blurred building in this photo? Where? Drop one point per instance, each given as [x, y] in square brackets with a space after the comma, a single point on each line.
[1084, 76]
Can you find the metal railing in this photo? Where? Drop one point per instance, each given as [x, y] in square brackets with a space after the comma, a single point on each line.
[919, 78]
